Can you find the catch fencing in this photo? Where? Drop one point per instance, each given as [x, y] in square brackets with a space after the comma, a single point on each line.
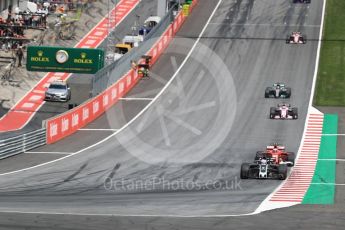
[113, 72]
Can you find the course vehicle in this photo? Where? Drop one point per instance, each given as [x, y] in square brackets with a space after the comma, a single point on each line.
[133, 41]
[302, 1]
[58, 91]
[296, 38]
[127, 44]
[120, 50]
[149, 24]
[277, 154]
[283, 111]
[263, 169]
[278, 90]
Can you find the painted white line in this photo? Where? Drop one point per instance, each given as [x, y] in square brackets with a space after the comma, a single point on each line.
[63, 153]
[140, 113]
[331, 159]
[136, 99]
[267, 24]
[128, 215]
[266, 204]
[317, 56]
[111, 130]
[339, 134]
[328, 184]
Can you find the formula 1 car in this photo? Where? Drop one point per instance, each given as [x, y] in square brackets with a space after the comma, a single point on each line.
[277, 154]
[283, 111]
[296, 38]
[264, 169]
[302, 1]
[278, 90]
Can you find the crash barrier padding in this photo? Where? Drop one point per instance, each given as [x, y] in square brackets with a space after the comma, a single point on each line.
[66, 124]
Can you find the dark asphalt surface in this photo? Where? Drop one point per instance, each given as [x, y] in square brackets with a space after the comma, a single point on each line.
[188, 137]
[299, 217]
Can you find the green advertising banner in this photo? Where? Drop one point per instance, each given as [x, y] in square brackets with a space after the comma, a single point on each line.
[62, 59]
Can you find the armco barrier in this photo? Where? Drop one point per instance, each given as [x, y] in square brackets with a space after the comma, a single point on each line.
[69, 122]
[22, 143]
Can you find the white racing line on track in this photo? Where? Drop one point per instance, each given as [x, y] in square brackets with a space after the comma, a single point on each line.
[136, 99]
[128, 215]
[260, 209]
[125, 126]
[333, 134]
[265, 25]
[63, 153]
[331, 160]
[110, 130]
[141, 112]
[267, 205]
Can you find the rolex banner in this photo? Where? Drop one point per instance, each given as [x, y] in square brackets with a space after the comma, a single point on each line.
[62, 59]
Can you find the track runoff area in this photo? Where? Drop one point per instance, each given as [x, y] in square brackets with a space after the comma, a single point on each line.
[318, 127]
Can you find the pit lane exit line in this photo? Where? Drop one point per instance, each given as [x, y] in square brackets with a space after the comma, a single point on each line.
[267, 24]
[342, 134]
[140, 113]
[111, 130]
[63, 153]
[135, 99]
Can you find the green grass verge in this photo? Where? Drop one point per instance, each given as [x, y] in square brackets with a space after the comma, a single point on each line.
[331, 76]
[322, 189]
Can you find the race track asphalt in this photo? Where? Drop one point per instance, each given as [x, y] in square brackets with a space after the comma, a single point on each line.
[182, 156]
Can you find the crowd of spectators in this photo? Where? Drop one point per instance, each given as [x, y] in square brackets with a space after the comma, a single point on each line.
[13, 27]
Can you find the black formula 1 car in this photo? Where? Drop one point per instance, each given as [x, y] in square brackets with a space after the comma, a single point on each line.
[263, 169]
[278, 90]
[283, 111]
[302, 1]
[296, 38]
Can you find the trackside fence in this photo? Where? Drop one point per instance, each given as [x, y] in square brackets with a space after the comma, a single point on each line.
[67, 123]
[110, 84]
[22, 143]
[113, 72]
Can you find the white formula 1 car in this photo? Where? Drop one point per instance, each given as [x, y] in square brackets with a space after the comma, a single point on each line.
[283, 111]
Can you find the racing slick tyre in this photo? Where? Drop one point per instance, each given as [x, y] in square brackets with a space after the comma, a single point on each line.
[272, 112]
[258, 155]
[294, 113]
[304, 39]
[291, 158]
[267, 92]
[282, 172]
[267, 95]
[244, 171]
[288, 93]
[288, 39]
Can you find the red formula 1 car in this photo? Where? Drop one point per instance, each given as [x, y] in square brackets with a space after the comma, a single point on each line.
[296, 38]
[277, 155]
